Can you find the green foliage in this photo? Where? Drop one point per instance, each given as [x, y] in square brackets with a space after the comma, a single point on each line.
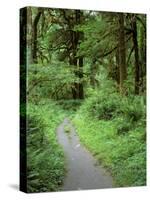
[112, 127]
[133, 114]
[103, 103]
[105, 107]
[96, 27]
[123, 126]
[134, 108]
[50, 81]
[45, 159]
[70, 104]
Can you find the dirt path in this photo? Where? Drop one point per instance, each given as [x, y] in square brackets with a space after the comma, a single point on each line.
[83, 173]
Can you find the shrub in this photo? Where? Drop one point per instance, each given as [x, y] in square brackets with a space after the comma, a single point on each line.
[104, 105]
[123, 126]
[134, 108]
[70, 104]
[45, 159]
[113, 129]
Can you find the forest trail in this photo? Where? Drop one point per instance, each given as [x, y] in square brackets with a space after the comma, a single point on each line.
[82, 169]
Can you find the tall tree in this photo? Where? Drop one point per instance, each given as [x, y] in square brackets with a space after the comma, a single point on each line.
[35, 34]
[73, 19]
[142, 51]
[122, 53]
[80, 35]
[136, 55]
[29, 35]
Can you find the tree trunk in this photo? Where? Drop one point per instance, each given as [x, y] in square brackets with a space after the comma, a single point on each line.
[80, 37]
[74, 62]
[81, 91]
[122, 53]
[142, 58]
[136, 55]
[113, 68]
[35, 23]
[77, 62]
[117, 67]
[29, 36]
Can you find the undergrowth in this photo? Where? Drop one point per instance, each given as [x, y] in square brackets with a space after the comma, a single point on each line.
[113, 128]
[45, 158]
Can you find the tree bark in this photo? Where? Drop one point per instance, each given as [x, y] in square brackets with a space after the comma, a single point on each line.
[29, 36]
[73, 61]
[142, 53]
[136, 56]
[75, 18]
[122, 53]
[35, 24]
[81, 91]
[80, 37]
[117, 67]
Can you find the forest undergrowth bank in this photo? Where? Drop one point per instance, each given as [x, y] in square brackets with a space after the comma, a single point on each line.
[112, 127]
[45, 157]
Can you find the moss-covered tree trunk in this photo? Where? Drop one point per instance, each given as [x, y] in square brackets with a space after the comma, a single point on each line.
[35, 32]
[136, 55]
[80, 37]
[142, 55]
[73, 61]
[122, 53]
[77, 61]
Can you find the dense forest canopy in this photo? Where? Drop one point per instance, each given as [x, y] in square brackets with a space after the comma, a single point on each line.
[71, 47]
[95, 64]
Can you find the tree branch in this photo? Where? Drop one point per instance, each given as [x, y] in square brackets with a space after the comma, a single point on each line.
[40, 81]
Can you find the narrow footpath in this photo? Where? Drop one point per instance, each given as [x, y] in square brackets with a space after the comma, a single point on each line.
[82, 169]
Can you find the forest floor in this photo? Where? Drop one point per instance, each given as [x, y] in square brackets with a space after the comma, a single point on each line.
[83, 171]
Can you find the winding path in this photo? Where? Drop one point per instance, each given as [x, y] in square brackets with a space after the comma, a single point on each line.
[82, 170]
